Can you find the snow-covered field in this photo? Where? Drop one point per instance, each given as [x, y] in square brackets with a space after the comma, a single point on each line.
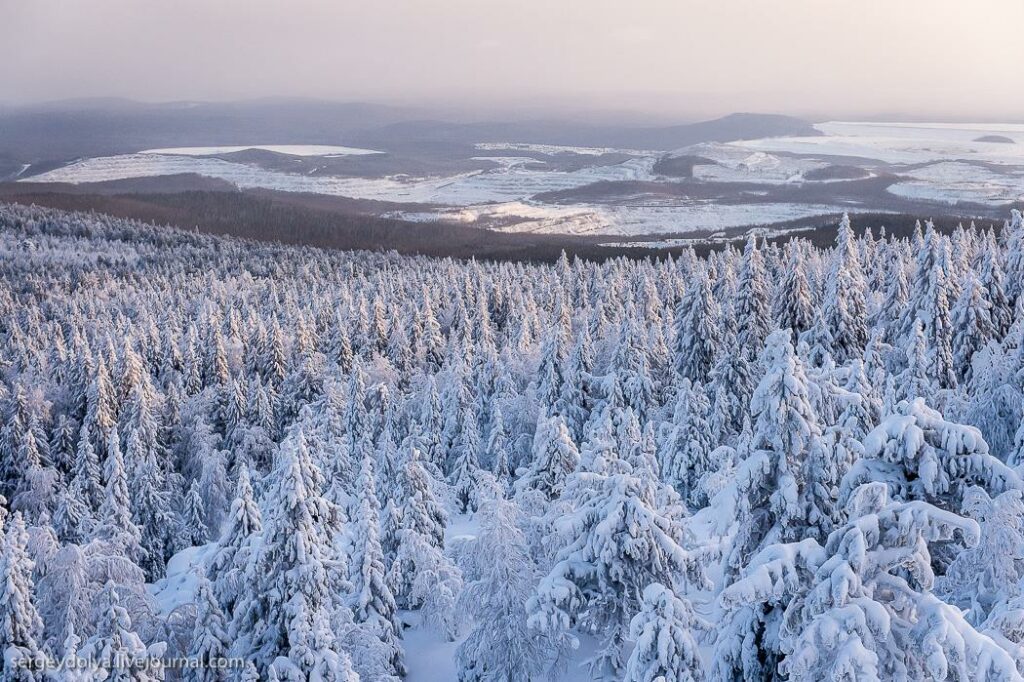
[955, 181]
[735, 163]
[552, 149]
[291, 149]
[524, 216]
[935, 163]
[903, 142]
[507, 183]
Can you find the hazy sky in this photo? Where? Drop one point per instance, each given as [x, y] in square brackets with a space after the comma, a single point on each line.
[827, 57]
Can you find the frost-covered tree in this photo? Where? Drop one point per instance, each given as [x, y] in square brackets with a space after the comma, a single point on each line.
[237, 545]
[296, 575]
[664, 633]
[209, 644]
[686, 445]
[64, 595]
[465, 467]
[773, 486]
[794, 304]
[117, 649]
[921, 456]
[982, 576]
[752, 314]
[845, 311]
[413, 506]
[698, 335]
[116, 525]
[500, 577]
[372, 601]
[193, 530]
[614, 542]
[21, 629]
[972, 324]
[853, 610]
[554, 457]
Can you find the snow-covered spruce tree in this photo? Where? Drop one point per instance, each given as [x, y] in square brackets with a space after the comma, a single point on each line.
[983, 576]
[549, 373]
[921, 456]
[664, 634]
[465, 466]
[845, 311]
[614, 542]
[37, 483]
[732, 384]
[151, 502]
[782, 492]
[863, 409]
[372, 601]
[215, 488]
[915, 380]
[192, 529]
[554, 457]
[237, 545]
[972, 326]
[939, 325]
[116, 526]
[574, 400]
[852, 610]
[698, 334]
[296, 579]
[117, 648]
[498, 447]
[86, 472]
[435, 586]
[794, 305]
[632, 370]
[64, 595]
[500, 577]
[773, 486]
[422, 576]
[1013, 235]
[209, 644]
[753, 319]
[686, 444]
[21, 629]
[994, 282]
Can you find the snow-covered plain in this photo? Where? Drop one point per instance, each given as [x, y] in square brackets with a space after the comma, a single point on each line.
[957, 181]
[509, 182]
[935, 163]
[291, 149]
[902, 142]
[525, 216]
[735, 163]
[552, 149]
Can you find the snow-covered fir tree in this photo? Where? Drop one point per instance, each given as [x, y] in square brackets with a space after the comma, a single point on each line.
[665, 644]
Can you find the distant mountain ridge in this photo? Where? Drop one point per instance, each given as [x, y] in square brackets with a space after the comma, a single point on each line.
[66, 130]
[661, 138]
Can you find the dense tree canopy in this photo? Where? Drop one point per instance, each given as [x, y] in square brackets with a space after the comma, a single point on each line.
[307, 459]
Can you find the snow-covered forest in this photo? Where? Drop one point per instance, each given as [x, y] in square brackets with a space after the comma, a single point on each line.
[281, 463]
